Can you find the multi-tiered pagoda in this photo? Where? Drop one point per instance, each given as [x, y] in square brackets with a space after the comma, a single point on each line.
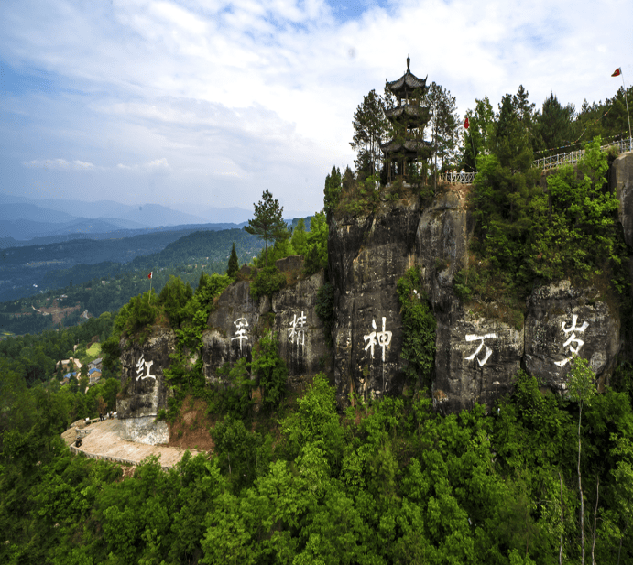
[408, 120]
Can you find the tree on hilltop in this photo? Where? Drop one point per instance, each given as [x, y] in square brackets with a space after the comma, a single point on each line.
[268, 224]
[232, 267]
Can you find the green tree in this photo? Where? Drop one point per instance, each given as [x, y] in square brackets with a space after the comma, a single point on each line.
[173, 298]
[444, 123]
[270, 369]
[477, 138]
[233, 267]
[581, 388]
[268, 224]
[554, 124]
[511, 140]
[370, 129]
[316, 256]
[299, 238]
[332, 191]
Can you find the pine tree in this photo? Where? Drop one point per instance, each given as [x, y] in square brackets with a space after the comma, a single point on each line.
[232, 267]
[268, 224]
[370, 129]
[332, 190]
[555, 123]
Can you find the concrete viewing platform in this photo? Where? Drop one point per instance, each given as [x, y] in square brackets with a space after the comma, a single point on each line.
[105, 440]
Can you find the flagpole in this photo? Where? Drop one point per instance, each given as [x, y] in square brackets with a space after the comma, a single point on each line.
[627, 106]
[616, 73]
[148, 297]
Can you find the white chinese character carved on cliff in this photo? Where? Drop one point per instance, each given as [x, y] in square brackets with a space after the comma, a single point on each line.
[294, 331]
[487, 351]
[142, 366]
[241, 330]
[381, 339]
[573, 328]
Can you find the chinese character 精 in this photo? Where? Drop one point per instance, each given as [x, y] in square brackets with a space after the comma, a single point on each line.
[294, 331]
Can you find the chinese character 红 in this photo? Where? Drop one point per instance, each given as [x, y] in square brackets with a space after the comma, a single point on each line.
[294, 331]
[487, 351]
[241, 330]
[573, 328]
[142, 366]
[381, 339]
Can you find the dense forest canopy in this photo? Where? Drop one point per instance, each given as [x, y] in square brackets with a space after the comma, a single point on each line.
[542, 478]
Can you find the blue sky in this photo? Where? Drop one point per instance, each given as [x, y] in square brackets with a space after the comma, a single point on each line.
[195, 104]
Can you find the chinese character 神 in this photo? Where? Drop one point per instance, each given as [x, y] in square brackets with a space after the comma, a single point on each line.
[140, 368]
[241, 330]
[294, 331]
[573, 328]
[382, 338]
[488, 351]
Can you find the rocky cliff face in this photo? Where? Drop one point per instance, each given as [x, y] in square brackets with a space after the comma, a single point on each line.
[477, 355]
[144, 388]
[367, 255]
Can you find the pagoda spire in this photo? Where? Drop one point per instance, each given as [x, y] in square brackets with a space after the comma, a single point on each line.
[408, 62]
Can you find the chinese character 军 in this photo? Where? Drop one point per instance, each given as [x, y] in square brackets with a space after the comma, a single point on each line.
[487, 351]
[381, 339]
[294, 331]
[241, 330]
[573, 328]
[140, 368]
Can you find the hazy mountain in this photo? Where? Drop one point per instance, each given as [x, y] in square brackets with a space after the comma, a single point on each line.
[157, 215]
[33, 213]
[234, 214]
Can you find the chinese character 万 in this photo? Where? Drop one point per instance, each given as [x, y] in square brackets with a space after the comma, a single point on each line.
[487, 352]
[241, 330]
[294, 331]
[573, 328]
[140, 369]
[382, 339]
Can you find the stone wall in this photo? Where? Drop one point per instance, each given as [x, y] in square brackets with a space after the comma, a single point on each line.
[146, 430]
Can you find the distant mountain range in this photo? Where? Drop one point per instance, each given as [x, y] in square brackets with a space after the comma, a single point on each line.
[31, 221]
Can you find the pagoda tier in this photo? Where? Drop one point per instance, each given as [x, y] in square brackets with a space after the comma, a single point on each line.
[409, 116]
[409, 149]
[406, 85]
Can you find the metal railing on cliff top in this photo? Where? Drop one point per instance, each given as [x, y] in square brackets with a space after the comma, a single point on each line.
[545, 163]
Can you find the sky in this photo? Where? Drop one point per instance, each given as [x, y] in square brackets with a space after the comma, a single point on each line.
[197, 104]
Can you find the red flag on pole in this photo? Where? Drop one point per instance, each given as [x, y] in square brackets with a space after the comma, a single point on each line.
[466, 122]
[149, 275]
[617, 72]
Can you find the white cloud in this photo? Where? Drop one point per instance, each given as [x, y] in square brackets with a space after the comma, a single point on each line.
[261, 94]
[60, 165]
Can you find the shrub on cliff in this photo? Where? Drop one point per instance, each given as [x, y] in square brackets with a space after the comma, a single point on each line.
[135, 317]
[268, 281]
[173, 297]
[419, 327]
[270, 369]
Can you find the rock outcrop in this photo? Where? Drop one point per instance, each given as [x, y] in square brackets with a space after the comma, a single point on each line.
[477, 355]
[563, 321]
[144, 388]
[621, 180]
[367, 255]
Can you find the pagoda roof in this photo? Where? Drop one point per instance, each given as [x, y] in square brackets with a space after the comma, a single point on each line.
[409, 148]
[410, 114]
[407, 81]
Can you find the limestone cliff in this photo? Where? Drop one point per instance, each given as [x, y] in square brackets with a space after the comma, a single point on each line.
[477, 355]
